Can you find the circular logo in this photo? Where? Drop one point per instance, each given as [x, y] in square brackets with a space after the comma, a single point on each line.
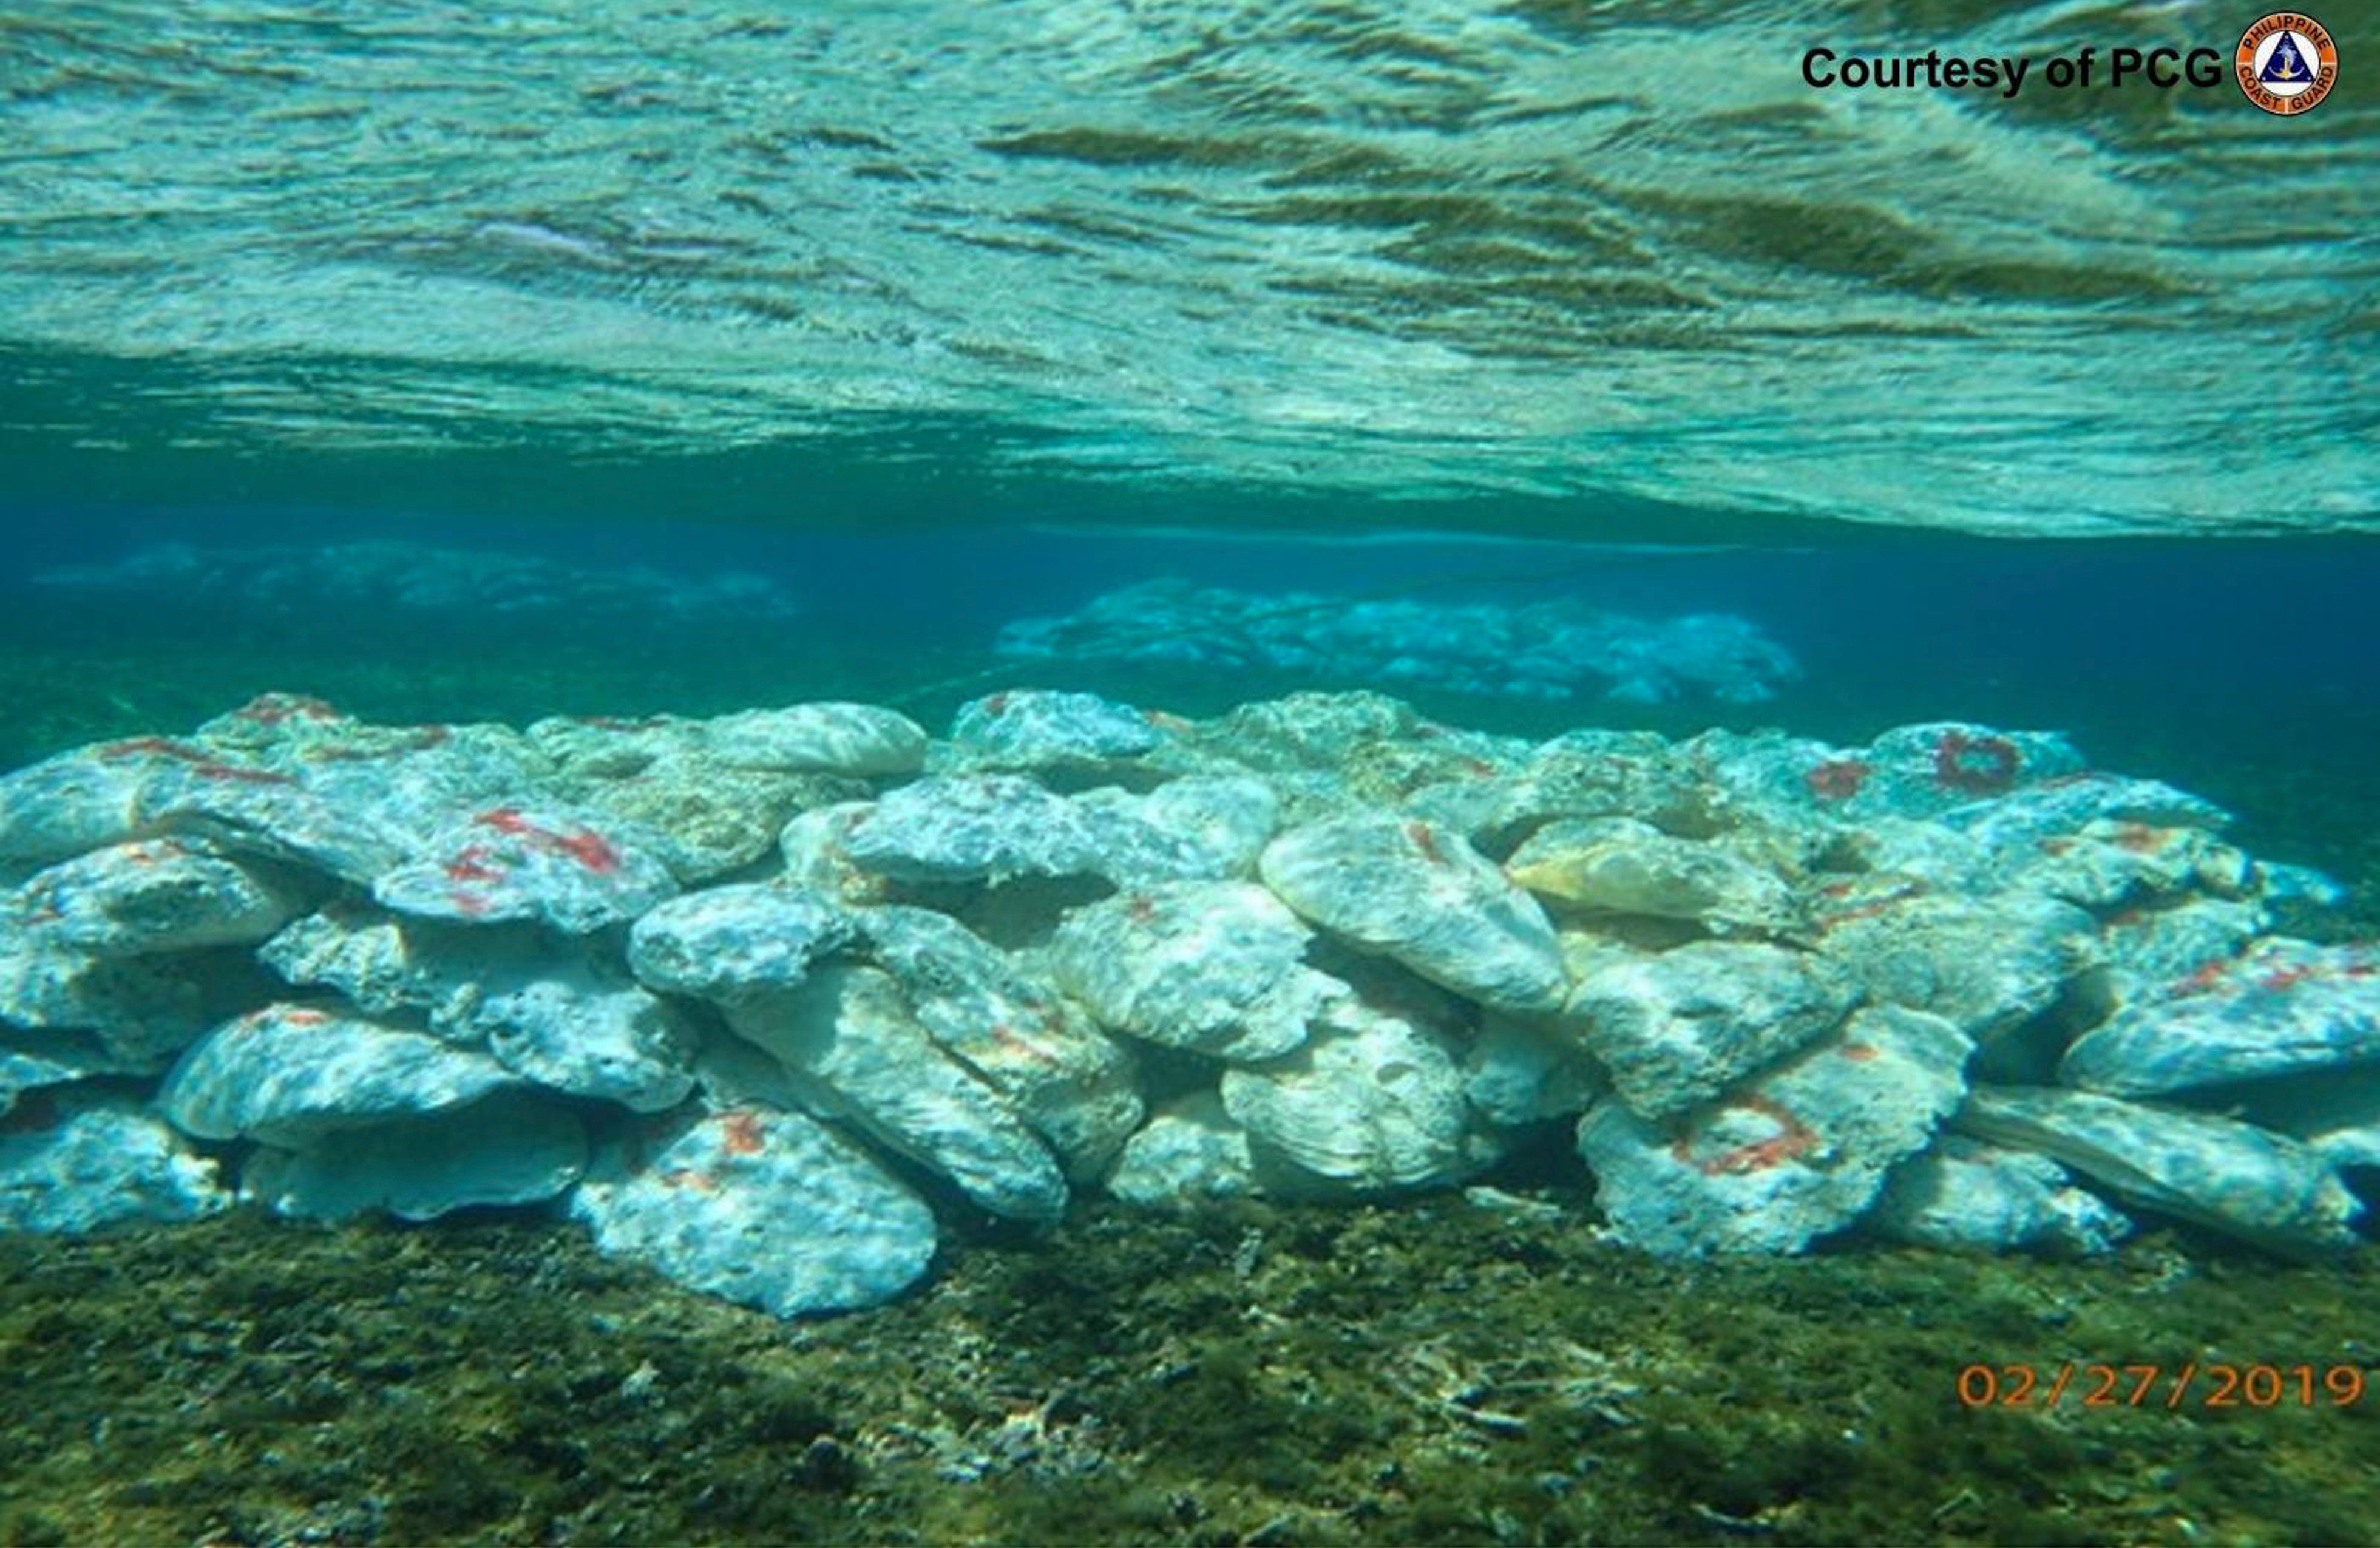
[2287, 62]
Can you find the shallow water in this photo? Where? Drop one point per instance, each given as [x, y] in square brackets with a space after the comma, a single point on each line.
[1236, 253]
[613, 362]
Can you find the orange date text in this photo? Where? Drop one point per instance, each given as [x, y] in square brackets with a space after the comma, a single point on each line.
[2187, 1385]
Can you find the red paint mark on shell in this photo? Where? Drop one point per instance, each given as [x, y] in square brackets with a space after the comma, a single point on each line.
[608, 722]
[1898, 894]
[590, 848]
[1859, 1053]
[586, 846]
[202, 763]
[470, 905]
[154, 746]
[273, 709]
[303, 1017]
[1424, 841]
[1793, 1138]
[686, 1176]
[2139, 837]
[740, 1133]
[472, 865]
[1010, 1041]
[1838, 779]
[237, 776]
[1976, 765]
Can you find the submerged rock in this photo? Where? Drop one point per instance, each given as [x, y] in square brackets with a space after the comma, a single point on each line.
[1219, 825]
[2154, 951]
[1191, 1151]
[1036, 728]
[731, 943]
[1962, 1195]
[1621, 866]
[161, 895]
[383, 575]
[1549, 650]
[2337, 1113]
[2287, 1007]
[507, 1148]
[31, 1061]
[511, 863]
[290, 1074]
[815, 848]
[1213, 966]
[509, 941]
[849, 1034]
[1798, 1153]
[1678, 1027]
[1580, 775]
[2231, 1176]
[1518, 1073]
[564, 1016]
[1989, 965]
[764, 1208]
[1421, 896]
[142, 1009]
[95, 1160]
[986, 828]
[1075, 1087]
[705, 821]
[2107, 863]
[148, 787]
[1369, 1103]
[818, 739]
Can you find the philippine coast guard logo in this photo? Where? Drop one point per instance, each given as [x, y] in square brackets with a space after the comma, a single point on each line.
[2287, 62]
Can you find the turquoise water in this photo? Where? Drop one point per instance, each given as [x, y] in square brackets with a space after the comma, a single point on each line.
[456, 364]
[1240, 255]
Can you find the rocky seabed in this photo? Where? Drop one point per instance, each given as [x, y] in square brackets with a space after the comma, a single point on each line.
[757, 1000]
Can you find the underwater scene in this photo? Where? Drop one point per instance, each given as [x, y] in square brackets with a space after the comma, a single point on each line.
[1075, 771]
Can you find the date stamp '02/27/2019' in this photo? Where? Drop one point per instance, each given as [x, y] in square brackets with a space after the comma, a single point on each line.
[2187, 1384]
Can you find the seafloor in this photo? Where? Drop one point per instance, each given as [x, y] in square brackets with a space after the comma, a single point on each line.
[1437, 1371]
[1444, 1370]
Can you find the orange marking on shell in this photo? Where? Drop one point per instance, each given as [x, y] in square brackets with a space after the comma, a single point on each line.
[2139, 837]
[1793, 1138]
[740, 1133]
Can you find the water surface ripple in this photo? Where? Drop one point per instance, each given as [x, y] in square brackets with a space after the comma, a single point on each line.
[1430, 248]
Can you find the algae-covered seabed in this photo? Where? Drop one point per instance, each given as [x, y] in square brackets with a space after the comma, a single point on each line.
[1429, 1371]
